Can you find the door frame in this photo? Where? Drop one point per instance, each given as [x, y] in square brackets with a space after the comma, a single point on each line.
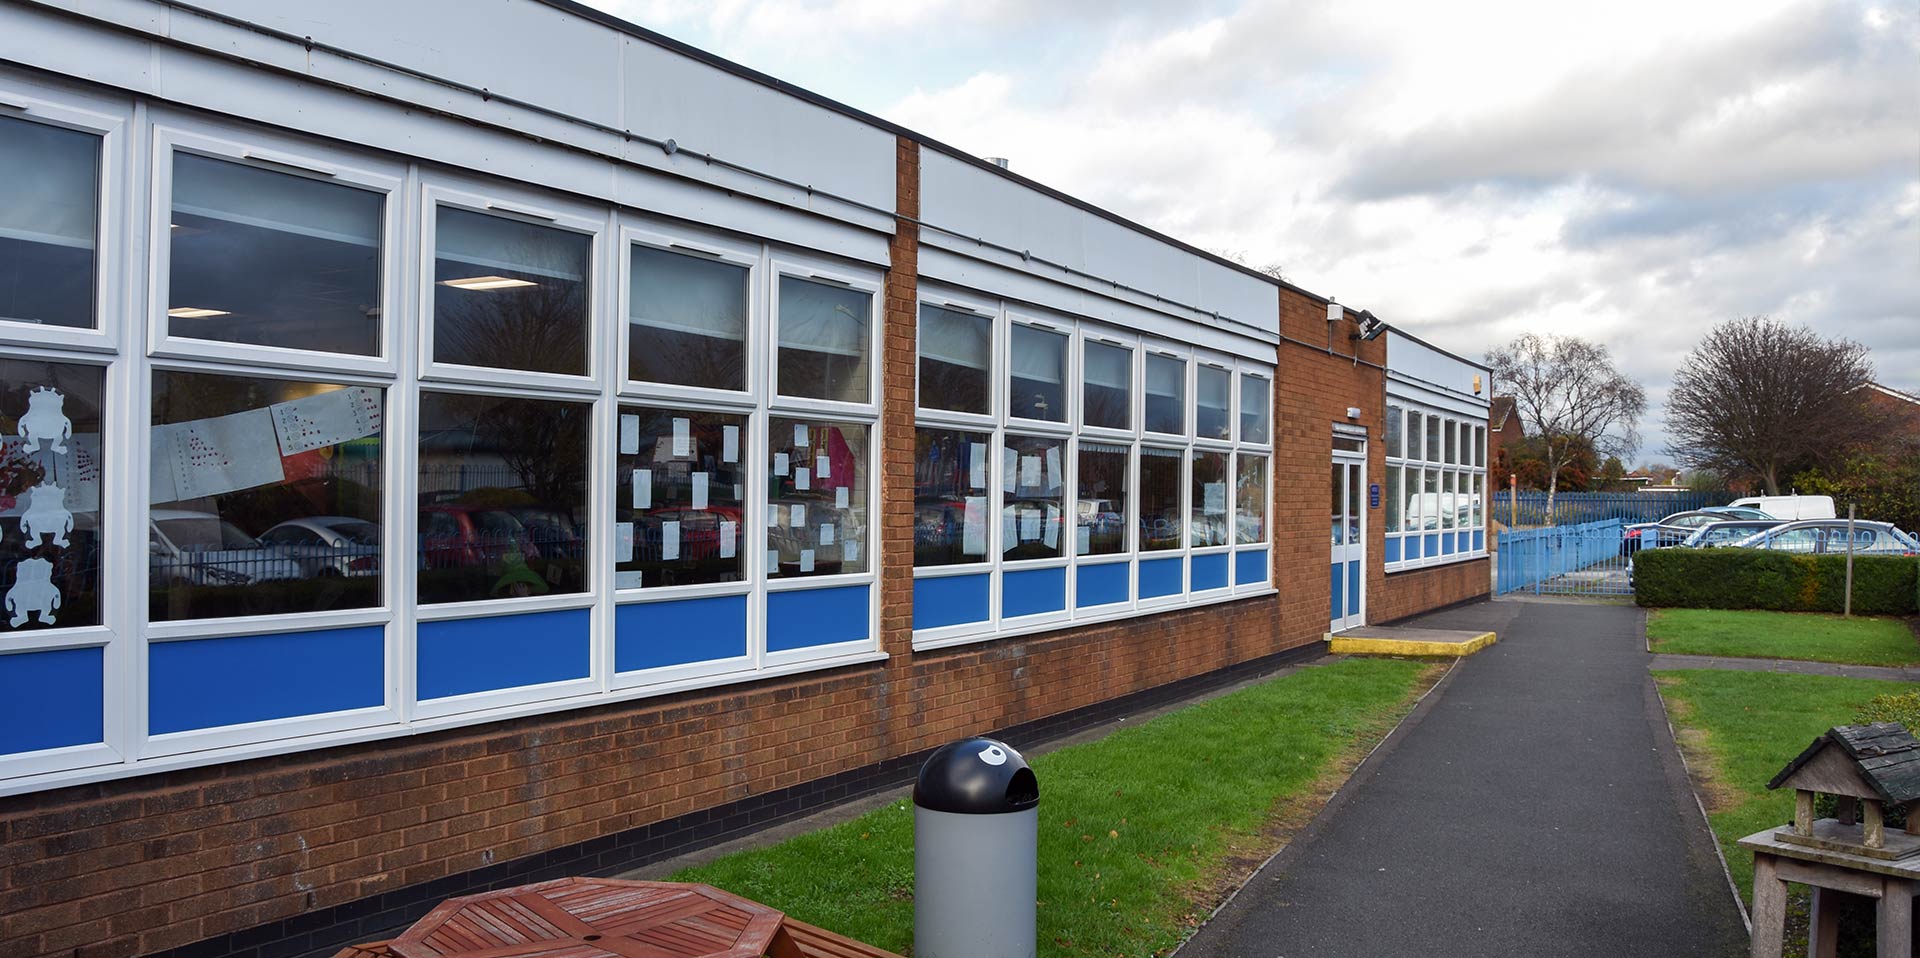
[1355, 507]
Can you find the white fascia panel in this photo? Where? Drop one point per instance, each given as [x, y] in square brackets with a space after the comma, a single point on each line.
[1416, 361]
[1401, 390]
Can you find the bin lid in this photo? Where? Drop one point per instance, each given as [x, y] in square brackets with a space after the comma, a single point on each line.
[976, 776]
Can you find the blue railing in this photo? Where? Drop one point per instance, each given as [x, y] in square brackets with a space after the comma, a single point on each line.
[1571, 508]
[1583, 559]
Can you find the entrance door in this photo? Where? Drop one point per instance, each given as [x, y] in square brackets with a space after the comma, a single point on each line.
[1347, 576]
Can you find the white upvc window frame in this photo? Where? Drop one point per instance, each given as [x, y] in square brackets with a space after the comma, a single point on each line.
[1414, 464]
[174, 133]
[994, 313]
[699, 245]
[1103, 336]
[110, 120]
[1244, 448]
[1184, 551]
[1182, 354]
[533, 207]
[783, 263]
[1003, 359]
[767, 585]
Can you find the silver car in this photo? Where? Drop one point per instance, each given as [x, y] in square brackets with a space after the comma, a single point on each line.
[1829, 537]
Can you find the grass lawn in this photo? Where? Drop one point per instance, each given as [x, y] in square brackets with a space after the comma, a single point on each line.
[1809, 636]
[1138, 830]
[1740, 728]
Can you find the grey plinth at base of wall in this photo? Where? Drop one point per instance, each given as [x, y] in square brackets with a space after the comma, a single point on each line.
[1775, 863]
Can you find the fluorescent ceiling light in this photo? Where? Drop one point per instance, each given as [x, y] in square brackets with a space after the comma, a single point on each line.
[195, 312]
[487, 282]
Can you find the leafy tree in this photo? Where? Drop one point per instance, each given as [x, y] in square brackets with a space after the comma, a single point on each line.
[1758, 396]
[1568, 392]
[1613, 472]
[1886, 486]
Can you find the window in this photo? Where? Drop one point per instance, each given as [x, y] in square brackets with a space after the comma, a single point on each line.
[1160, 482]
[1433, 439]
[1435, 510]
[687, 319]
[269, 258]
[1037, 374]
[1208, 500]
[1166, 394]
[1396, 479]
[50, 469]
[1107, 390]
[680, 499]
[816, 497]
[1256, 408]
[1033, 517]
[956, 354]
[826, 333]
[1250, 500]
[1101, 513]
[1213, 403]
[510, 294]
[265, 496]
[503, 497]
[950, 496]
[1396, 428]
[1480, 446]
[49, 218]
[1453, 450]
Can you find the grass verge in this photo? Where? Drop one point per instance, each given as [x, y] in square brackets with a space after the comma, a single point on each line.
[1806, 636]
[1142, 832]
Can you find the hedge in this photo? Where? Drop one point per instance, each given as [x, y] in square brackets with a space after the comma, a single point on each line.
[1781, 581]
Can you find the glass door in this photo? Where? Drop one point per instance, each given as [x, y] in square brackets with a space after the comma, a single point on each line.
[1346, 581]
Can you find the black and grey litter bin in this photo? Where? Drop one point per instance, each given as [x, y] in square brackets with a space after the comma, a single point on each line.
[976, 827]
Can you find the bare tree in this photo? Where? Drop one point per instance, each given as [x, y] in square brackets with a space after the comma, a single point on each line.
[1569, 394]
[1758, 396]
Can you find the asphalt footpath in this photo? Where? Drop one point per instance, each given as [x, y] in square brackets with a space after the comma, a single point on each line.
[1534, 807]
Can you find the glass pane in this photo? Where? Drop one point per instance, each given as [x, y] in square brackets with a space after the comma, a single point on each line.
[816, 497]
[1166, 395]
[1213, 409]
[824, 340]
[1395, 428]
[1453, 450]
[680, 490]
[1161, 524]
[1356, 505]
[1430, 500]
[510, 294]
[1108, 389]
[1476, 516]
[1208, 502]
[1447, 503]
[1034, 480]
[266, 496]
[1338, 517]
[950, 496]
[273, 259]
[49, 213]
[956, 358]
[1480, 446]
[1250, 500]
[1396, 479]
[50, 467]
[1256, 408]
[1037, 375]
[689, 320]
[1101, 513]
[1416, 431]
[503, 497]
[1433, 438]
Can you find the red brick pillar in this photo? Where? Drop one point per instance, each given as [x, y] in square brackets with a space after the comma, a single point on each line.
[896, 410]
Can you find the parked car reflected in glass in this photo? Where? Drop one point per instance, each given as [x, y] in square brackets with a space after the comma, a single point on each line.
[328, 545]
[202, 549]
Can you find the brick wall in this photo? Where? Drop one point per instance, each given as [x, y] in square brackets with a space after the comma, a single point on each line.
[1411, 593]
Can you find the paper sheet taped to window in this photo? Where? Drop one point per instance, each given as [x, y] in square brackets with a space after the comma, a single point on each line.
[210, 457]
[327, 419]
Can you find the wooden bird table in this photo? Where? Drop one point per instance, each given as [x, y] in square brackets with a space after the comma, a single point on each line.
[1891, 884]
[599, 918]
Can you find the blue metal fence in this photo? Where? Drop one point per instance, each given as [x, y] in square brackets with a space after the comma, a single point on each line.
[1576, 507]
[1583, 559]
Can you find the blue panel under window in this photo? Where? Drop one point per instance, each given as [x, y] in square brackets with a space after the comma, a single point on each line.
[652, 635]
[803, 618]
[463, 656]
[1412, 544]
[51, 699]
[207, 683]
[1479, 540]
[1393, 548]
[1250, 567]
[1433, 545]
[1210, 572]
[1160, 577]
[1104, 584]
[1337, 591]
[1353, 587]
[1033, 592]
[952, 600]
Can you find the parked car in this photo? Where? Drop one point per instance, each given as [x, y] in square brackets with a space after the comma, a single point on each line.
[1675, 528]
[200, 548]
[461, 536]
[328, 545]
[1790, 507]
[1716, 534]
[1829, 537]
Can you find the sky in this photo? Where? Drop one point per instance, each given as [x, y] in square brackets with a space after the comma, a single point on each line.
[1631, 172]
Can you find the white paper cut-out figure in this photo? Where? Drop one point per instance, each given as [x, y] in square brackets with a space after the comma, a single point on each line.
[33, 593]
[46, 516]
[46, 420]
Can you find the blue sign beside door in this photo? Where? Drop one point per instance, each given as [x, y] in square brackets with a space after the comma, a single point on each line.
[1373, 496]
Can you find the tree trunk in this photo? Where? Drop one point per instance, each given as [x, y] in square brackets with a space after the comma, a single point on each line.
[1771, 479]
[1553, 486]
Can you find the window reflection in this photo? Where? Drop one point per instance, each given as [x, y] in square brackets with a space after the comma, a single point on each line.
[956, 351]
[1036, 386]
[950, 496]
[825, 336]
[681, 487]
[49, 213]
[1209, 499]
[1213, 403]
[689, 320]
[1034, 483]
[1107, 392]
[1250, 500]
[503, 497]
[1160, 519]
[265, 494]
[1166, 394]
[816, 497]
[273, 259]
[1256, 408]
[1101, 513]
[50, 467]
[509, 294]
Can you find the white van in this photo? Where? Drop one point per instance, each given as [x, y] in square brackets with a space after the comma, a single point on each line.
[1790, 507]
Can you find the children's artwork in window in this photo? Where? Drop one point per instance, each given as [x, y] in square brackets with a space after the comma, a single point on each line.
[50, 424]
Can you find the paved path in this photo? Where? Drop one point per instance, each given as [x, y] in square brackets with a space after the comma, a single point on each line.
[1664, 661]
[1534, 807]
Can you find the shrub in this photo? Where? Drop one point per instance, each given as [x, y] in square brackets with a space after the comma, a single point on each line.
[1780, 581]
[1902, 707]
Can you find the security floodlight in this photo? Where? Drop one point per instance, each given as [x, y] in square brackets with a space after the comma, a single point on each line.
[1371, 326]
